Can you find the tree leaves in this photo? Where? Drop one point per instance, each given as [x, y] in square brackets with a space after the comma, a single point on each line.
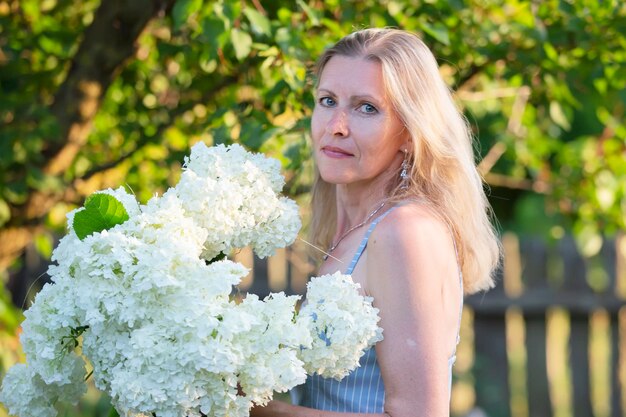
[227, 70]
[5, 212]
[182, 10]
[438, 31]
[102, 212]
[242, 42]
[260, 23]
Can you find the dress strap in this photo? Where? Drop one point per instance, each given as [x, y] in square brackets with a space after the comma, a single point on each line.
[363, 244]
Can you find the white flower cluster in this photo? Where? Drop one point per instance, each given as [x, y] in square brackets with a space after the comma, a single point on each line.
[344, 325]
[156, 319]
[233, 195]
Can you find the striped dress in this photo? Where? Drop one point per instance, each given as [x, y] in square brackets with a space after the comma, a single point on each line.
[363, 390]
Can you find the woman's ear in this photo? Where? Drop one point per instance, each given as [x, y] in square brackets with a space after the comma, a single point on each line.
[407, 145]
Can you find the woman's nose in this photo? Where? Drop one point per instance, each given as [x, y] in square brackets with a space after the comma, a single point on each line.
[338, 124]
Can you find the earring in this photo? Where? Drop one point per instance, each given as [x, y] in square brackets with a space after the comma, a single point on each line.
[404, 173]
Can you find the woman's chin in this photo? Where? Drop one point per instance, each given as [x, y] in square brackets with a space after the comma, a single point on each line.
[336, 179]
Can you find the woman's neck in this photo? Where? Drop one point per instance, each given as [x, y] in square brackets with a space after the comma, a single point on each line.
[355, 202]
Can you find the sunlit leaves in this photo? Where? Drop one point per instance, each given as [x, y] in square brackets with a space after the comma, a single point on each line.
[233, 71]
[44, 244]
[558, 115]
[5, 212]
[260, 23]
[437, 30]
[183, 9]
[312, 14]
[242, 42]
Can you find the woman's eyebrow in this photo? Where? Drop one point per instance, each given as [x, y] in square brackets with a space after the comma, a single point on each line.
[366, 97]
[356, 97]
[325, 91]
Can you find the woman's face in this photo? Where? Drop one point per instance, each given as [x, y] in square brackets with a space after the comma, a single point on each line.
[357, 135]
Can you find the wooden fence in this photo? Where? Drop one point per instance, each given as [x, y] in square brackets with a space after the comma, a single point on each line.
[549, 340]
[570, 311]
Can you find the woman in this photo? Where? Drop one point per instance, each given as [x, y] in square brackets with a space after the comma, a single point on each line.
[400, 206]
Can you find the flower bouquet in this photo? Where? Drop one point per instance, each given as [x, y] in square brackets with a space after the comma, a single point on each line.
[141, 294]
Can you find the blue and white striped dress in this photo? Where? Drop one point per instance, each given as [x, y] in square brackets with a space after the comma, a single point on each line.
[363, 390]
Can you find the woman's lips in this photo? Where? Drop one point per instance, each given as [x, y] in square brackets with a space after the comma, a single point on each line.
[334, 152]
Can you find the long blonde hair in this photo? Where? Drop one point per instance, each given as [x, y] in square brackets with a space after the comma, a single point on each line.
[443, 172]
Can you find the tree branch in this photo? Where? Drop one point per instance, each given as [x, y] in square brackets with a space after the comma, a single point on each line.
[514, 125]
[13, 241]
[107, 44]
[178, 111]
[499, 180]
[465, 78]
[259, 7]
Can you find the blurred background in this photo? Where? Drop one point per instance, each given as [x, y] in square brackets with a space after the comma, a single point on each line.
[108, 93]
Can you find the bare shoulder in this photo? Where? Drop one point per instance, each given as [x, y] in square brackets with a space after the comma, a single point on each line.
[411, 245]
[411, 224]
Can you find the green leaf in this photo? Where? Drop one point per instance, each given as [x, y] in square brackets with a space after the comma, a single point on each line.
[260, 23]
[589, 240]
[601, 85]
[395, 8]
[558, 115]
[551, 52]
[10, 316]
[16, 192]
[242, 42]
[437, 31]
[5, 212]
[44, 244]
[311, 13]
[50, 46]
[183, 9]
[212, 29]
[32, 10]
[38, 180]
[102, 212]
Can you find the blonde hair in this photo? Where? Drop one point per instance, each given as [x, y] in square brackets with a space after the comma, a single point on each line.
[443, 172]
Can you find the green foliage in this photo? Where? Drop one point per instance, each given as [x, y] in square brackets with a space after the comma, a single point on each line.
[545, 80]
[5, 212]
[37, 41]
[102, 212]
[10, 319]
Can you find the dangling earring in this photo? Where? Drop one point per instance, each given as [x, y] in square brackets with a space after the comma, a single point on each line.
[404, 173]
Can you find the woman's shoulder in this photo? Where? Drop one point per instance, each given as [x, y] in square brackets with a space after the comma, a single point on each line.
[412, 241]
[411, 222]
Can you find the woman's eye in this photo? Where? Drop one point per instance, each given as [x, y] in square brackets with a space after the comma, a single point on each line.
[368, 108]
[327, 101]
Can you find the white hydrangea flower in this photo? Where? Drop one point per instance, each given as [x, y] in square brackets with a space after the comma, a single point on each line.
[344, 325]
[25, 393]
[46, 337]
[234, 195]
[279, 229]
[234, 161]
[272, 343]
[157, 322]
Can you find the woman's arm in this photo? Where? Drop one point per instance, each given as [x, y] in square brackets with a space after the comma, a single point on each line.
[413, 276]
